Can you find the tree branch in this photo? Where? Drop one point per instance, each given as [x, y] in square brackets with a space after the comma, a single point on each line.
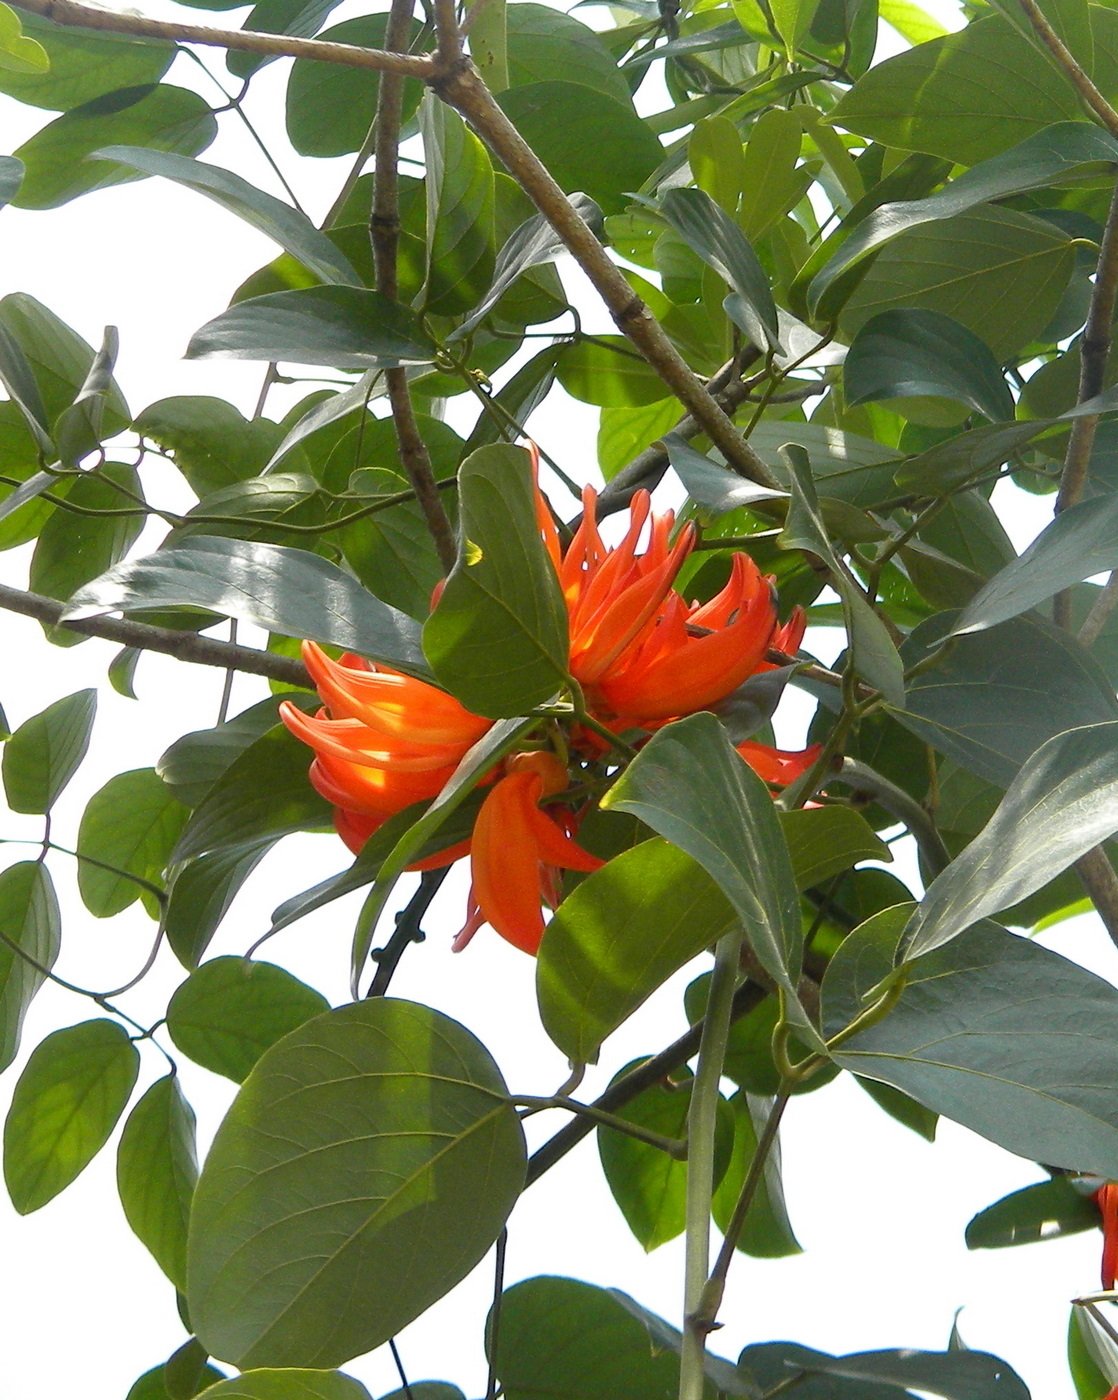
[1101, 883]
[1065, 60]
[462, 88]
[1101, 609]
[71, 14]
[184, 646]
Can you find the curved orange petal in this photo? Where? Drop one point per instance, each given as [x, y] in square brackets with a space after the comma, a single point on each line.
[354, 828]
[556, 848]
[354, 742]
[505, 862]
[1107, 1200]
[373, 792]
[778, 766]
[548, 532]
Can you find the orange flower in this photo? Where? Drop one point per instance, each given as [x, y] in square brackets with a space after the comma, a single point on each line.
[1106, 1198]
[641, 654]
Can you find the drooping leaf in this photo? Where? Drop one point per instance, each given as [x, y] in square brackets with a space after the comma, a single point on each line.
[84, 65]
[548, 45]
[767, 1232]
[875, 1375]
[461, 233]
[194, 763]
[317, 1185]
[726, 822]
[288, 1384]
[80, 427]
[608, 372]
[228, 1012]
[129, 828]
[46, 750]
[66, 1103]
[288, 227]
[619, 936]
[284, 590]
[344, 327]
[212, 444]
[1046, 1211]
[156, 1170]
[828, 840]
[161, 117]
[907, 353]
[497, 639]
[200, 895]
[30, 918]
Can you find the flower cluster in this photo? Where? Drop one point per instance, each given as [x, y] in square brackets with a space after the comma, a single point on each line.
[642, 655]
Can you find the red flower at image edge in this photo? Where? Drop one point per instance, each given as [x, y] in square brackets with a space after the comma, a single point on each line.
[643, 656]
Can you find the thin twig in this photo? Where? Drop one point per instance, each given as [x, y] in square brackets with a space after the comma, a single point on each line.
[72, 14]
[392, 1347]
[1101, 609]
[675, 1148]
[1101, 883]
[408, 930]
[184, 646]
[901, 805]
[1062, 56]
[494, 1335]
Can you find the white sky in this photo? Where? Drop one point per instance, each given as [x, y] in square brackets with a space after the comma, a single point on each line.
[880, 1213]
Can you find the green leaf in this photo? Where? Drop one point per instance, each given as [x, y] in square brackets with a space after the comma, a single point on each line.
[828, 840]
[548, 45]
[1092, 1356]
[793, 19]
[30, 917]
[997, 272]
[623, 433]
[428, 1390]
[129, 827]
[344, 327]
[905, 354]
[520, 397]
[995, 1032]
[770, 182]
[561, 1339]
[955, 1375]
[993, 698]
[461, 233]
[283, 590]
[846, 467]
[212, 443]
[330, 107]
[66, 1102]
[288, 1385]
[185, 1370]
[710, 233]
[1062, 803]
[618, 936]
[194, 763]
[692, 787]
[608, 372]
[1078, 543]
[1050, 157]
[152, 1384]
[875, 656]
[318, 1183]
[901, 1107]
[767, 1232]
[228, 1012]
[18, 52]
[156, 1170]
[263, 794]
[649, 1186]
[83, 65]
[19, 380]
[200, 895]
[1047, 1211]
[164, 118]
[46, 750]
[498, 638]
[718, 160]
[79, 429]
[563, 122]
[288, 227]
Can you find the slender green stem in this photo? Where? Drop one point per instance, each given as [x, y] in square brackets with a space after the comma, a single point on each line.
[702, 1122]
[674, 1147]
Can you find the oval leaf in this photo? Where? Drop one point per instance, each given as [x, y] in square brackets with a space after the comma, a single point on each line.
[127, 833]
[156, 1171]
[287, 1385]
[30, 918]
[46, 750]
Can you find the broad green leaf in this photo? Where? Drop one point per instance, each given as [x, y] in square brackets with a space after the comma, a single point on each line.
[649, 1186]
[563, 122]
[691, 786]
[300, 18]
[793, 19]
[828, 840]
[80, 428]
[83, 65]
[269, 508]
[966, 96]
[875, 656]
[955, 1375]
[1053, 156]
[607, 371]
[909, 353]
[152, 1385]
[623, 433]
[993, 698]
[997, 1033]
[66, 1102]
[284, 590]
[228, 1012]
[1062, 803]
[200, 895]
[726, 1380]
[156, 1170]
[561, 1339]
[710, 233]
[330, 107]
[19, 380]
[45, 751]
[767, 1232]
[211, 442]
[1078, 543]
[19, 53]
[185, 1370]
[288, 227]
[288, 1385]
[461, 233]
[498, 638]
[163, 117]
[263, 794]
[1092, 1355]
[375, 1132]
[718, 160]
[910, 21]
[1046, 1211]
[771, 184]
[546, 45]
[194, 763]
[30, 917]
[344, 327]
[617, 937]
[129, 828]
[996, 271]
[428, 1390]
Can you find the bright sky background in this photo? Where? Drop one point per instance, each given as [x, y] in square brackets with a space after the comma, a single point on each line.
[880, 1213]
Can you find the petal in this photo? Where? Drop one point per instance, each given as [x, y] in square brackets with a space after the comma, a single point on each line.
[556, 848]
[373, 792]
[354, 828]
[778, 766]
[354, 742]
[1107, 1199]
[505, 862]
[544, 519]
